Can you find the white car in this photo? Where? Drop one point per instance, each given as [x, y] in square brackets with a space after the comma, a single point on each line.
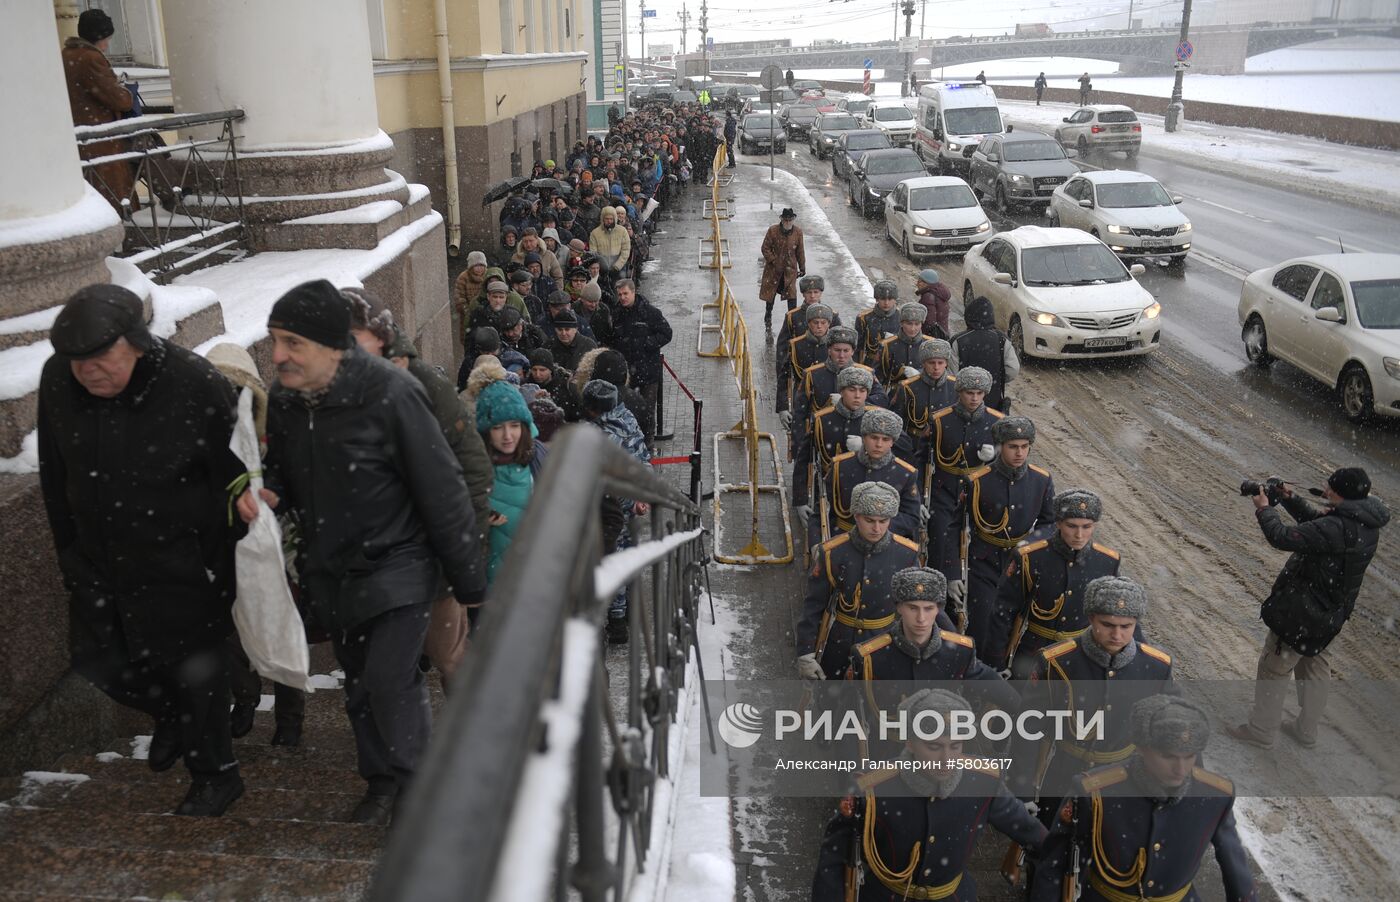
[1062, 294]
[1130, 211]
[935, 214]
[1337, 318]
[894, 119]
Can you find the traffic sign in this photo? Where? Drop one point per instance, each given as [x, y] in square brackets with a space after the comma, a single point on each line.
[648, 14]
[709, 43]
[771, 76]
[1184, 51]
[908, 45]
[869, 63]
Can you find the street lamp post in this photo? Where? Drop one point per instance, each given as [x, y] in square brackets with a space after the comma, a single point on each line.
[1176, 108]
[908, 10]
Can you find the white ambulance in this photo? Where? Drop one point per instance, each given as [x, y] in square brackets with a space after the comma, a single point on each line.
[952, 118]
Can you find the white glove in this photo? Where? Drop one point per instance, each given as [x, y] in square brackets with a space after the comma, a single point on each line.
[1032, 809]
[1006, 675]
[808, 668]
[887, 335]
[924, 513]
[803, 512]
[909, 372]
[986, 453]
[854, 443]
[835, 396]
[957, 590]
[785, 417]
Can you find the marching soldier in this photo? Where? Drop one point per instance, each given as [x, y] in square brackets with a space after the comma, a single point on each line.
[833, 430]
[1138, 830]
[795, 322]
[1003, 502]
[910, 831]
[1041, 598]
[848, 591]
[898, 358]
[806, 350]
[819, 381]
[922, 645]
[1105, 670]
[876, 324]
[916, 400]
[961, 443]
[874, 462]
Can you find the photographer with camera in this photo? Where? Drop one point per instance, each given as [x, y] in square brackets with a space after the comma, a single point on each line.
[1312, 597]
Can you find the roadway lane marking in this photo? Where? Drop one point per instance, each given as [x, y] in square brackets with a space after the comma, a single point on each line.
[1231, 209]
[1346, 244]
[1219, 263]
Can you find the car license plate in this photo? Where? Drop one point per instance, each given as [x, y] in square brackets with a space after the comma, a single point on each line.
[1120, 128]
[1156, 242]
[1102, 343]
[957, 242]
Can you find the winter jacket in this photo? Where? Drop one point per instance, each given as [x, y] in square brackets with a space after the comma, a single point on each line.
[784, 259]
[643, 413]
[381, 495]
[568, 356]
[548, 262]
[622, 428]
[456, 424]
[134, 488]
[639, 333]
[96, 97]
[514, 484]
[598, 324]
[561, 393]
[1331, 548]
[612, 246]
[935, 300]
[984, 345]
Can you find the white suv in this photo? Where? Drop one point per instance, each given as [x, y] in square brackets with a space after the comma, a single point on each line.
[894, 119]
[1062, 294]
[1337, 318]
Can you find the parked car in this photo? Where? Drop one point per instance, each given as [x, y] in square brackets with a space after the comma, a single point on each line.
[895, 120]
[826, 130]
[851, 146]
[1019, 168]
[857, 105]
[935, 214]
[760, 131]
[877, 174]
[1062, 294]
[798, 117]
[1100, 129]
[1130, 211]
[1336, 317]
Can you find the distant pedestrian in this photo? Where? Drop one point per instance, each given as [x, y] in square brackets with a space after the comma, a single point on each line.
[96, 97]
[789, 78]
[982, 76]
[1040, 85]
[1085, 86]
[784, 262]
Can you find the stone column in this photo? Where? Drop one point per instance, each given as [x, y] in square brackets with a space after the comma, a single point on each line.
[54, 230]
[310, 139]
[66, 13]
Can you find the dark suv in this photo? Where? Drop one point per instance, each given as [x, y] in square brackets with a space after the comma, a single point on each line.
[1019, 168]
[877, 174]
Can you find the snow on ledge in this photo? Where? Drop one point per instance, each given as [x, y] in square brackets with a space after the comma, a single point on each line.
[374, 211]
[38, 321]
[395, 183]
[90, 214]
[615, 570]
[416, 193]
[376, 142]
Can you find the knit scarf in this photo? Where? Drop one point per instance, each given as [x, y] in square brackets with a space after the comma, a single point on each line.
[1002, 468]
[1095, 653]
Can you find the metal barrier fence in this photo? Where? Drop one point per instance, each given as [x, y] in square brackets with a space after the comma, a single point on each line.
[734, 344]
[668, 417]
[510, 801]
[180, 184]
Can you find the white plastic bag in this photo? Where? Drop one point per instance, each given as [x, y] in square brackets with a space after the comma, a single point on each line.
[268, 623]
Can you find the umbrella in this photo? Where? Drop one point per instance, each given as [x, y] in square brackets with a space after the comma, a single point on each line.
[550, 183]
[504, 188]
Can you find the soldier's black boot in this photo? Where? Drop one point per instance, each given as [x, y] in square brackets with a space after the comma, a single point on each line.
[166, 743]
[617, 631]
[288, 730]
[210, 795]
[377, 807]
[767, 313]
[241, 720]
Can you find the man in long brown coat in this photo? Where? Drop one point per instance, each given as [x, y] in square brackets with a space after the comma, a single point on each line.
[96, 97]
[784, 262]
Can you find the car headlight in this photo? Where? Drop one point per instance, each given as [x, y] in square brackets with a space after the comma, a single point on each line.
[1152, 311]
[1392, 366]
[1046, 319]
[1184, 229]
[920, 230]
[984, 226]
[1019, 178]
[1119, 230]
[954, 146]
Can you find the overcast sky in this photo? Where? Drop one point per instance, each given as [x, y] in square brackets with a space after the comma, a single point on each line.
[858, 21]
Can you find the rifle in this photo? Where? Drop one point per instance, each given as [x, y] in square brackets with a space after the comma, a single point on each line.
[1012, 863]
[1069, 885]
[854, 871]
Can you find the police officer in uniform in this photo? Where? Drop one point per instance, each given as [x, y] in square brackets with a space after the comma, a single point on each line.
[1002, 503]
[1041, 598]
[909, 832]
[961, 443]
[982, 344]
[1138, 830]
[922, 645]
[805, 350]
[833, 430]
[874, 462]
[898, 358]
[795, 321]
[917, 398]
[877, 323]
[1105, 669]
[848, 591]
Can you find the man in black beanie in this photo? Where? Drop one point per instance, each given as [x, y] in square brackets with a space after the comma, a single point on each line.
[383, 503]
[133, 462]
[1311, 599]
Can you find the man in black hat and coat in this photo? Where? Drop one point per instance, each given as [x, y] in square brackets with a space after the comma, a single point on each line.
[133, 463]
[784, 262]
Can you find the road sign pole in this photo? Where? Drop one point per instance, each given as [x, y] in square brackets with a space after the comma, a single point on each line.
[1176, 107]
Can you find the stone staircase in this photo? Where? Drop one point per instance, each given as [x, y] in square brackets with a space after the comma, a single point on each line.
[99, 826]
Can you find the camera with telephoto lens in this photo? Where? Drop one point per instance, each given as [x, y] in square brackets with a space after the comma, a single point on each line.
[1272, 488]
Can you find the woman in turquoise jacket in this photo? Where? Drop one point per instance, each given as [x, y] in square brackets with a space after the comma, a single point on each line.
[508, 429]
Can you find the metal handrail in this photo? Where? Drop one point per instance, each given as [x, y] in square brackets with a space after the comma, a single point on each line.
[453, 838]
[149, 124]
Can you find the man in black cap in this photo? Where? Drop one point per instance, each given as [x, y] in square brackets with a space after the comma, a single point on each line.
[1311, 599]
[354, 448]
[133, 462]
[567, 345]
[784, 262]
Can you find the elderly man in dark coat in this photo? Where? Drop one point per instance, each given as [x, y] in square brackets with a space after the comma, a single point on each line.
[133, 462]
[640, 331]
[354, 447]
[784, 262]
